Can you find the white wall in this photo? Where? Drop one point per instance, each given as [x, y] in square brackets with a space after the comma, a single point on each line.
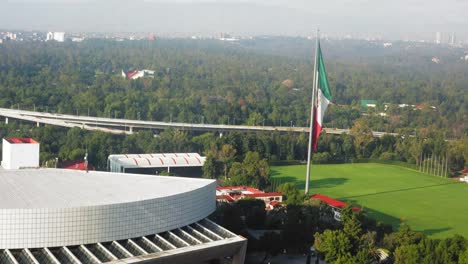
[16, 156]
[59, 36]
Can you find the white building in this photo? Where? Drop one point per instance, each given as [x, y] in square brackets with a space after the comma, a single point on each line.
[57, 36]
[158, 161]
[387, 44]
[18, 153]
[70, 216]
[137, 74]
[11, 36]
[452, 39]
[438, 38]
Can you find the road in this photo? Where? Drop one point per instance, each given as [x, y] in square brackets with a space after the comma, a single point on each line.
[127, 126]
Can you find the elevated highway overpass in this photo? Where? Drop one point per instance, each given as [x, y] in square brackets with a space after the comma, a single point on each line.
[128, 126]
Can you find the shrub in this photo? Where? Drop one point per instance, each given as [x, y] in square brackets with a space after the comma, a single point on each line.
[321, 158]
[388, 156]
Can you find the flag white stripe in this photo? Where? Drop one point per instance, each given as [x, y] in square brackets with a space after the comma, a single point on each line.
[322, 104]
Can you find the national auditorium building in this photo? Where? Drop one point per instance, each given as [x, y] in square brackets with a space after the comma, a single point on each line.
[69, 216]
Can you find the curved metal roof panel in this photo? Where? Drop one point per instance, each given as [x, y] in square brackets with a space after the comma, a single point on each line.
[159, 160]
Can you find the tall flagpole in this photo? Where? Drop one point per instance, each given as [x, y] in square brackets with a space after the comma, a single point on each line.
[314, 88]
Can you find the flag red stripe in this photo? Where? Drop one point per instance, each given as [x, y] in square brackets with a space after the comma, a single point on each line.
[316, 129]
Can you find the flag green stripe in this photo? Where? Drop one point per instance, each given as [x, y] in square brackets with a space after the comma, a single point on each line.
[322, 76]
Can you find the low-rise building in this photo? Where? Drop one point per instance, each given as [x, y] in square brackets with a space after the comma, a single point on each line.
[56, 36]
[137, 74]
[181, 164]
[230, 194]
[336, 205]
[19, 153]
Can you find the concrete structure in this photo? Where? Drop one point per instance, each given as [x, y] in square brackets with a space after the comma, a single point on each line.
[158, 161]
[69, 216]
[230, 194]
[57, 36]
[127, 126]
[18, 153]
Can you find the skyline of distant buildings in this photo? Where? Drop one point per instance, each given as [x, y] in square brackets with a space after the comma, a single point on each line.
[57, 36]
[449, 38]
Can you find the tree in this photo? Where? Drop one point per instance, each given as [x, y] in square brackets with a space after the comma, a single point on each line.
[253, 171]
[449, 249]
[209, 168]
[334, 245]
[407, 254]
[463, 259]
[291, 194]
[352, 228]
[362, 134]
[226, 155]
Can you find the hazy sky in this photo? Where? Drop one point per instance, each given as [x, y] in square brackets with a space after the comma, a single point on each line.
[391, 19]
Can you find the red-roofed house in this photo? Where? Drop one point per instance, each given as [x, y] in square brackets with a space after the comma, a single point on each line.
[336, 205]
[464, 175]
[233, 193]
[137, 74]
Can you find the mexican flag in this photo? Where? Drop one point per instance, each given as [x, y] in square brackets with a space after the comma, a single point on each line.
[323, 99]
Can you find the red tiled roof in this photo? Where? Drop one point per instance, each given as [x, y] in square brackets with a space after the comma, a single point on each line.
[235, 193]
[262, 194]
[333, 202]
[234, 188]
[131, 74]
[224, 197]
[465, 171]
[329, 201]
[21, 140]
[273, 203]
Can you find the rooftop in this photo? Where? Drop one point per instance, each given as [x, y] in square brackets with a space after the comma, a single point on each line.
[59, 188]
[333, 202]
[243, 189]
[158, 160]
[21, 141]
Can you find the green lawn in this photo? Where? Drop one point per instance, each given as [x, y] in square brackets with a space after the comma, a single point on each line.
[434, 205]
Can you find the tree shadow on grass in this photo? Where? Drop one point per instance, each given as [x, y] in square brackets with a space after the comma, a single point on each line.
[396, 221]
[400, 190]
[383, 217]
[321, 183]
[433, 231]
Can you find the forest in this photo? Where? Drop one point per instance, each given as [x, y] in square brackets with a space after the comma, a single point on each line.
[263, 81]
[260, 81]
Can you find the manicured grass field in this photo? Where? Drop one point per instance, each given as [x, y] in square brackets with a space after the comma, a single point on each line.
[389, 193]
